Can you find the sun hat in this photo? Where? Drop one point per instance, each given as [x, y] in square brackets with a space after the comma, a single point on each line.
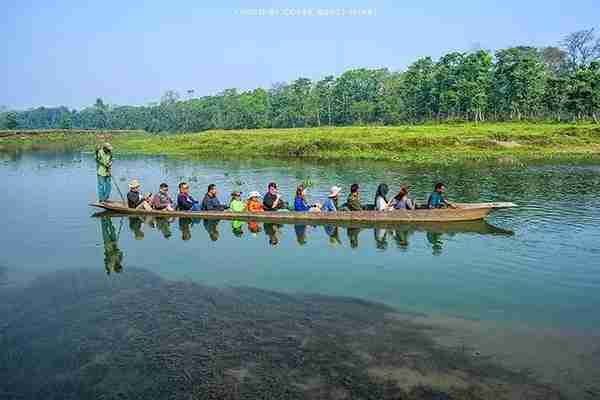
[134, 184]
[334, 191]
[253, 194]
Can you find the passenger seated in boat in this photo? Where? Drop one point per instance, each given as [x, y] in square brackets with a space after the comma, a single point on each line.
[331, 204]
[253, 204]
[236, 204]
[300, 203]
[436, 199]
[185, 202]
[353, 202]
[135, 198]
[161, 200]
[381, 203]
[272, 200]
[211, 201]
[401, 201]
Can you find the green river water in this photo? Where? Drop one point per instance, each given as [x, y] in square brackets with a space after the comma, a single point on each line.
[128, 307]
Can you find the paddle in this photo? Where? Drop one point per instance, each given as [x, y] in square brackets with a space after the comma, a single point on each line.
[119, 190]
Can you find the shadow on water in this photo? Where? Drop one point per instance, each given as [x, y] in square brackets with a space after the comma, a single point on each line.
[137, 336]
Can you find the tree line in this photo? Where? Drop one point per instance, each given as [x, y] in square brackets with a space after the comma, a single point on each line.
[558, 83]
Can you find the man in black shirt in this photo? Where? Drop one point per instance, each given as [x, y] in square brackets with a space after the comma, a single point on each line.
[272, 200]
[211, 201]
[135, 198]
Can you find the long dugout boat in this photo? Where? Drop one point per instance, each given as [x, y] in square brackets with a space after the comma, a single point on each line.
[461, 212]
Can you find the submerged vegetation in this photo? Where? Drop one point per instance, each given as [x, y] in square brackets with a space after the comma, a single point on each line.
[421, 144]
[139, 336]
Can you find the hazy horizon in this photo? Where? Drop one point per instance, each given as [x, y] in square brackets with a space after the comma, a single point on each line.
[71, 53]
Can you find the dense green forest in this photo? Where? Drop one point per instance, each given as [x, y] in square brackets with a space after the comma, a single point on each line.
[518, 83]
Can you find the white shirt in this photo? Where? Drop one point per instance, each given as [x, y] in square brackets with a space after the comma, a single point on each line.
[380, 204]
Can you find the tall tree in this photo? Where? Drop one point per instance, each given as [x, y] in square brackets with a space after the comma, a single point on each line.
[474, 84]
[519, 79]
[584, 92]
[11, 120]
[99, 104]
[418, 93]
[582, 47]
[170, 97]
[324, 94]
[299, 101]
[445, 91]
[555, 60]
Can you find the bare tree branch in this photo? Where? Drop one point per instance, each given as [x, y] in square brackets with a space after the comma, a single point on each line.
[581, 47]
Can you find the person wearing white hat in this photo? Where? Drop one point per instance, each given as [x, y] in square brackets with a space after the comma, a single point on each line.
[254, 204]
[135, 198]
[331, 204]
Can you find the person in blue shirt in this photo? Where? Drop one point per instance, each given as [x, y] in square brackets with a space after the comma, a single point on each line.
[185, 202]
[436, 199]
[331, 204]
[300, 203]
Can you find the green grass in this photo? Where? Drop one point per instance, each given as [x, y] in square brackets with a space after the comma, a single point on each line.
[413, 144]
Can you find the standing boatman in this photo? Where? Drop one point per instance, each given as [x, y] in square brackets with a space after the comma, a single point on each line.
[104, 164]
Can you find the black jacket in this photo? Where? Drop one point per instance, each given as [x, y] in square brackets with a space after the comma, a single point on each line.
[211, 204]
[134, 199]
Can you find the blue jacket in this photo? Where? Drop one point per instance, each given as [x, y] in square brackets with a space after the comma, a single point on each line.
[329, 205]
[185, 202]
[300, 204]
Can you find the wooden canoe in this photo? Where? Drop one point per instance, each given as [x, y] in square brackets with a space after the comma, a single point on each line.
[462, 212]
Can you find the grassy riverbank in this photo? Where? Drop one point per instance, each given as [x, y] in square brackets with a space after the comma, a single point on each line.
[415, 144]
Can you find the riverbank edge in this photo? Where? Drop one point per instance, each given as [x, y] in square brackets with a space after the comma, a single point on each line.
[442, 144]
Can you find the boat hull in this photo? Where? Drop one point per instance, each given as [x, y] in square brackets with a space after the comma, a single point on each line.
[462, 212]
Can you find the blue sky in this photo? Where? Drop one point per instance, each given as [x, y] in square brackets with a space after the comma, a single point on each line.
[130, 52]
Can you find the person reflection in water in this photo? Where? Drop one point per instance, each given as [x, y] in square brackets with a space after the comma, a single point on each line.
[272, 231]
[333, 232]
[353, 236]
[300, 234]
[113, 256]
[135, 226]
[211, 227]
[437, 245]
[401, 239]
[164, 226]
[380, 236]
[185, 226]
[237, 228]
[253, 227]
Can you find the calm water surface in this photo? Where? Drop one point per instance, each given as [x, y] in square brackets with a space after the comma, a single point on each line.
[538, 264]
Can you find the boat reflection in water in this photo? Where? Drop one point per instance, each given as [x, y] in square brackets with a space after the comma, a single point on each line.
[398, 236]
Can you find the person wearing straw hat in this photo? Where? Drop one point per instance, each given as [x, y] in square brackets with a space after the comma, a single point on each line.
[103, 170]
[135, 198]
[331, 204]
